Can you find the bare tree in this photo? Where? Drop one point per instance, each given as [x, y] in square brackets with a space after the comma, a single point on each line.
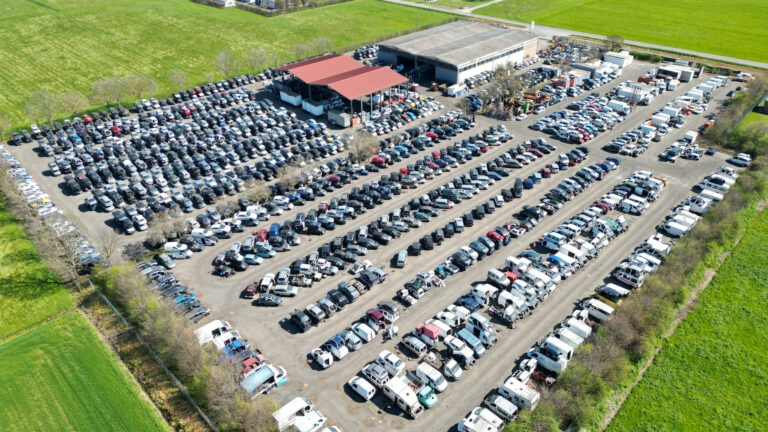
[42, 105]
[226, 63]
[6, 124]
[255, 58]
[321, 45]
[362, 148]
[109, 243]
[101, 92]
[178, 78]
[300, 51]
[288, 176]
[258, 193]
[73, 102]
[615, 41]
[222, 387]
[140, 85]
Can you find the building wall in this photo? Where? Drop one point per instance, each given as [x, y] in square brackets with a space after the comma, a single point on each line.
[387, 57]
[517, 57]
[530, 50]
[447, 75]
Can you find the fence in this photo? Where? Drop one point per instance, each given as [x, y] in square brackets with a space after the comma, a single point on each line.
[155, 356]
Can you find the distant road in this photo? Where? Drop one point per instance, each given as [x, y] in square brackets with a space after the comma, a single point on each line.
[549, 32]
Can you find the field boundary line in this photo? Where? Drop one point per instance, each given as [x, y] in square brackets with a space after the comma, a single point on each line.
[36, 325]
[682, 312]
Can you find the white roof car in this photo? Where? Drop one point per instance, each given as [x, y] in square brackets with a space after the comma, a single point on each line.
[376, 374]
[391, 362]
[481, 420]
[457, 345]
[362, 387]
[285, 290]
[452, 370]
[267, 282]
[363, 332]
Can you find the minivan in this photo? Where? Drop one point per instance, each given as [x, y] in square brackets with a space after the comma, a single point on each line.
[502, 407]
[471, 341]
[400, 259]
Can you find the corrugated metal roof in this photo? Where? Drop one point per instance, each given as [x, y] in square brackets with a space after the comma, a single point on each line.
[459, 42]
[344, 75]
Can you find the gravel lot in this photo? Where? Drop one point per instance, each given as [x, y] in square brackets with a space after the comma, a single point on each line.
[268, 329]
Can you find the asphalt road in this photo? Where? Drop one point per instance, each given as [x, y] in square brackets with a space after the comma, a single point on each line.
[267, 329]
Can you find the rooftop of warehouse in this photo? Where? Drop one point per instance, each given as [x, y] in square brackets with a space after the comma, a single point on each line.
[459, 42]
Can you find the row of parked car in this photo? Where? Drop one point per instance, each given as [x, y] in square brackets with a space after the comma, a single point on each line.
[397, 115]
[579, 126]
[40, 204]
[257, 374]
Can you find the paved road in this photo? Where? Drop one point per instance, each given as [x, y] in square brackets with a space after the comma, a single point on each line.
[549, 32]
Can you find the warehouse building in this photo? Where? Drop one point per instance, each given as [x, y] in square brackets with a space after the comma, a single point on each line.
[459, 50]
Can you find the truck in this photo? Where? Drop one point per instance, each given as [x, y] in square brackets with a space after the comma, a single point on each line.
[212, 330]
[620, 107]
[399, 392]
[424, 392]
[264, 379]
[690, 137]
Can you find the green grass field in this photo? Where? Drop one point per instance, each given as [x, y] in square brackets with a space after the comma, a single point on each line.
[455, 4]
[65, 45]
[60, 376]
[755, 118]
[711, 373]
[733, 28]
[29, 292]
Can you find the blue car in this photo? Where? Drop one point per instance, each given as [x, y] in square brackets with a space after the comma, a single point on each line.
[469, 303]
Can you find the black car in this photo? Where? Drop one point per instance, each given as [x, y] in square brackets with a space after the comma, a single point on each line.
[339, 298]
[223, 271]
[301, 320]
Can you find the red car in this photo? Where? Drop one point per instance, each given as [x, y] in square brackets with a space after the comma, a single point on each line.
[431, 135]
[379, 161]
[261, 235]
[404, 171]
[322, 207]
[116, 130]
[483, 149]
[536, 152]
[87, 119]
[432, 165]
[186, 111]
[493, 235]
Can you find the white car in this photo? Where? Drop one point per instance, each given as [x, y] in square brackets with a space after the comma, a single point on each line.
[362, 387]
[521, 117]
[458, 346]
[286, 290]
[452, 370]
[267, 282]
[391, 362]
[323, 358]
[363, 332]
[481, 419]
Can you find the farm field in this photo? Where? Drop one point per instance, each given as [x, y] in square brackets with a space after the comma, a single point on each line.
[61, 376]
[456, 4]
[708, 373]
[755, 118]
[29, 292]
[65, 45]
[733, 28]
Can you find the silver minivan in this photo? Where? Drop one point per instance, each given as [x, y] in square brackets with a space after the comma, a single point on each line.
[401, 259]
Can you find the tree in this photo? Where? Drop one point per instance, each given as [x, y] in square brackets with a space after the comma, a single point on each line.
[109, 243]
[226, 63]
[42, 105]
[140, 85]
[254, 59]
[108, 90]
[258, 193]
[73, 102]
[300, 51]
[322, 45]
[362, 148]
[178, 78]
[5, 125]
[615, 41]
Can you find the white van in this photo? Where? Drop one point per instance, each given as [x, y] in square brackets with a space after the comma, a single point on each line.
[485, 293]
[520, 394]
[558, 346]
[575, 253]
[431, 376]
[498, 278]
[717, 187]
[597, 309]
[516, 264]
[711, 195]
[674, 229]
[502, 407]
[221, 230]
[577, 326]
[568, 337]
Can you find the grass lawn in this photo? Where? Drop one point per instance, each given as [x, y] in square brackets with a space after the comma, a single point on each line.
[455, 4]
[755, 118]
[733, 28]
[61, 376]
[711, 373]
[65, 45]
[29, 292]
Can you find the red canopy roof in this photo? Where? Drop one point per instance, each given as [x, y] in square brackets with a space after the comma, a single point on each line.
[344, 75]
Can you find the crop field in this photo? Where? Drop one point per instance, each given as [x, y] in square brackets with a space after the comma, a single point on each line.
[709, 374]
[65, 45]
[733, 28]
[29, 292]
[755, 118]
[61, 376]
[456, 4]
